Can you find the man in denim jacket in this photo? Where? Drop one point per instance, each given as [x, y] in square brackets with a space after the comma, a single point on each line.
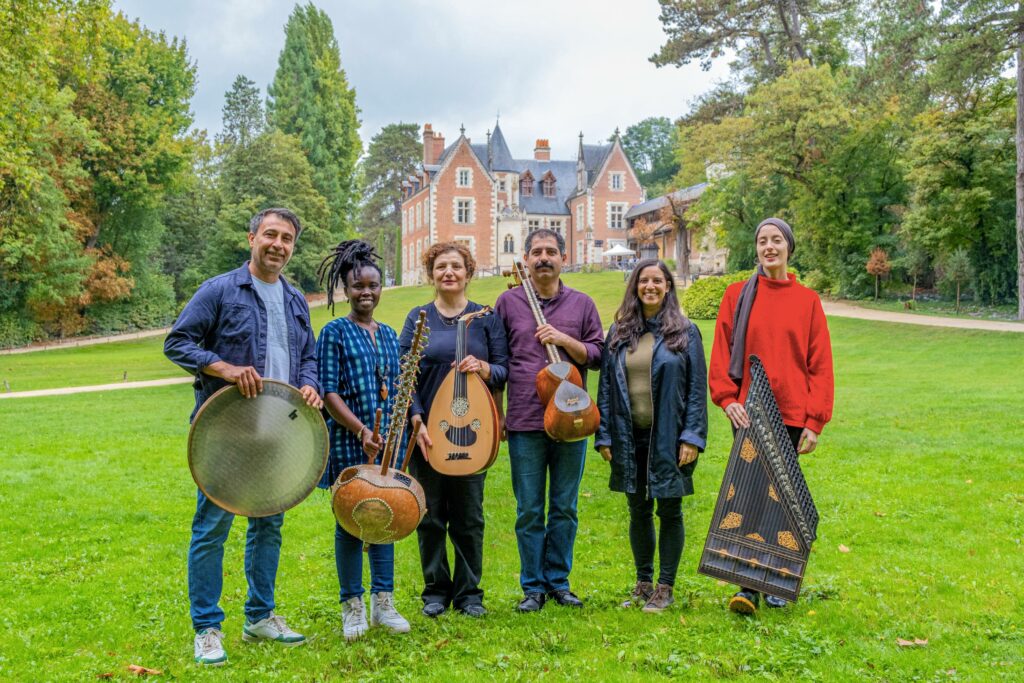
[240, 327]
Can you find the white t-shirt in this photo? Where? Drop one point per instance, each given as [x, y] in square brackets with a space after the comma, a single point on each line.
[272, 295]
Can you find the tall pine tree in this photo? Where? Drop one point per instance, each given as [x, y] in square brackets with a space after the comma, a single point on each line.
[310, 98]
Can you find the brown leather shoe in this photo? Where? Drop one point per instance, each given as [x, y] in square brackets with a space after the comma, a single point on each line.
[642, 592]
[660, 600]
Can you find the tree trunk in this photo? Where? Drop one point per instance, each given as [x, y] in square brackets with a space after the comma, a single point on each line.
[1020, 171]
[682, 253]
[958, 297]
[876, 287]
[913, 292]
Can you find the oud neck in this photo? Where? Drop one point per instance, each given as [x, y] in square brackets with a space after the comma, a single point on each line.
[538, 315]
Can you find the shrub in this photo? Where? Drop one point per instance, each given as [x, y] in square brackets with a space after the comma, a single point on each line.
[702, 299]
[17, 331]
[820, 281]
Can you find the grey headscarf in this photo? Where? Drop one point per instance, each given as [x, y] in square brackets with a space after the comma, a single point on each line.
[746, 302]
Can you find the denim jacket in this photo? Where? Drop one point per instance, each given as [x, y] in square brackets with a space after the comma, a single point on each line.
[226, 321]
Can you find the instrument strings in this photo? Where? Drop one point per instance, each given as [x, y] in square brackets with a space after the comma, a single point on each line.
[538, 314]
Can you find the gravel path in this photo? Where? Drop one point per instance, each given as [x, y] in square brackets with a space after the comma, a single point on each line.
[832, 308]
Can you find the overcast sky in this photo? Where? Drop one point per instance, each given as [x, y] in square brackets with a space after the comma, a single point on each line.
[552, 68]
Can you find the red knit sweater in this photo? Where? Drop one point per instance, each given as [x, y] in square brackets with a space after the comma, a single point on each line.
[787, 330]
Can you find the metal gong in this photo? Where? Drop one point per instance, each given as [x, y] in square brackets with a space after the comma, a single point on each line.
[260, 456]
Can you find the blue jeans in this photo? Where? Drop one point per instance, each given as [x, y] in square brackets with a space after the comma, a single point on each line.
[545, 547]
[210, 528]
[348, 556]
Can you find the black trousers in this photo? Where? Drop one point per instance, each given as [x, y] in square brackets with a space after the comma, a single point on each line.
[642, 538]
[455, 510]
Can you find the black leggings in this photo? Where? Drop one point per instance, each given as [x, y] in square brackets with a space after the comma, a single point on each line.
[642, 538]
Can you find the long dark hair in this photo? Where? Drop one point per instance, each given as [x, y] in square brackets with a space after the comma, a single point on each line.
[629, 319]
[348, 256]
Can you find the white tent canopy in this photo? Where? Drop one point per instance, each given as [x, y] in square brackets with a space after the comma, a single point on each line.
[619, 250]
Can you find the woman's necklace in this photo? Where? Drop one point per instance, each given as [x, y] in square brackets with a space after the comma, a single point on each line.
[450, 320]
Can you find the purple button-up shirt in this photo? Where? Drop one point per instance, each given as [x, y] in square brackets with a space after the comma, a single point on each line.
[569, 311]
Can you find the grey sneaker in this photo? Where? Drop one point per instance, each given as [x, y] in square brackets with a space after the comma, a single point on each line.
[272, 628]
[209, 649]
[353, 618]
[660, 600]
[383, 613]
[642, 592]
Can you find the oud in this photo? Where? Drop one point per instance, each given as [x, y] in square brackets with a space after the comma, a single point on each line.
[569, 413]
[463, 419]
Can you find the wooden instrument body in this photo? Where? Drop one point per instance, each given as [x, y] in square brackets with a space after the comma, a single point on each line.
[378, 508]
[464, 431]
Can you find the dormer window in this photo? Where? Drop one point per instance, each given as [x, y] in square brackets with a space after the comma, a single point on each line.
[526, 184]
[547, 184]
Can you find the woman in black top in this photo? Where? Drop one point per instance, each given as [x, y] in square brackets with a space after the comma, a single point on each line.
[454, 504]
[654, 421]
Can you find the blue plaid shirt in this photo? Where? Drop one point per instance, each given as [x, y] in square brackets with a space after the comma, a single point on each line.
[348, 360]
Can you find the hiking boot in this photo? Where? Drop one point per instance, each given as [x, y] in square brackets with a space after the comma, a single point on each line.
[660, 600]
[272, 628]
[353, 618]
[383, 613]
[641, 594]
[775, 602]
[744, 602]
[209, 649]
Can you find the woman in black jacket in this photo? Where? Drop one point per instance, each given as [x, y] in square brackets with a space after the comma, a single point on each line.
[654, 421]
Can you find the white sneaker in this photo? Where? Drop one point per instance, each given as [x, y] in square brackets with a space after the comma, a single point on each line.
[272, 628]
[353, 618]
[209, 648]
[383, 613]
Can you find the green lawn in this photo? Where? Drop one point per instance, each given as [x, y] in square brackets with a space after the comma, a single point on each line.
[919, 477]
[144, 359]
[946, 309]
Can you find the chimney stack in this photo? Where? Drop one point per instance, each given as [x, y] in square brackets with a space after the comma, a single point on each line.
[433, 145]
[542, 150]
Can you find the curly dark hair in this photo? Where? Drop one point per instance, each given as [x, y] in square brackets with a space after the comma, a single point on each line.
[629, 319]
[350, 256]
[436, 250]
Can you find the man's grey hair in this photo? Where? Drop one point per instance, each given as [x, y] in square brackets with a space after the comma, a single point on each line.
[283, 214]
[544, 232]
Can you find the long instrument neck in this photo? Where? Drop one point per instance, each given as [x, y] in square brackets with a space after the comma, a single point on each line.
[460, 354]
[538, 315]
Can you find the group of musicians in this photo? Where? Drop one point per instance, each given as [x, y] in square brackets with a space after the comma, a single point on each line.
[250, 323]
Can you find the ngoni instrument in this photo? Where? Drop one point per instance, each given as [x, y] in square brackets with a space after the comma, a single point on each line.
[383, 504]
[463, 419]
[765, 521]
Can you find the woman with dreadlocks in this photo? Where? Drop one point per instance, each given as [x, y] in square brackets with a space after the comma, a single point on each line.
[359, 361]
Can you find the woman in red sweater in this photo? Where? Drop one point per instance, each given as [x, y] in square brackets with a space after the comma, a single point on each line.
[774, 317]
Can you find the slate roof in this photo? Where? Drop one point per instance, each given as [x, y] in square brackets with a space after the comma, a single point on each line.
[684, 195]
[565, 185]
[593, 159]
[501, 157]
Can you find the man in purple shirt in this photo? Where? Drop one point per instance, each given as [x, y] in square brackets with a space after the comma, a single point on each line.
[573, 325]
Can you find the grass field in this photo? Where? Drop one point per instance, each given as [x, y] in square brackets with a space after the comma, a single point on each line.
[918, 477]
[144, 359]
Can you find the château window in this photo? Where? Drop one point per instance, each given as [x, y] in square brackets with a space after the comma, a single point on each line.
[533, 224]
[526, 185]
[464, 177]
[556, 226]
[510, 244]
[617, 181]
[548, 185]
[463, 210]
[616, 214]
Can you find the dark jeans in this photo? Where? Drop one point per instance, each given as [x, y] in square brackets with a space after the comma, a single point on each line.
[455, 510]
[642, 538]
[210, 528]
[545, 545]
[348, 559]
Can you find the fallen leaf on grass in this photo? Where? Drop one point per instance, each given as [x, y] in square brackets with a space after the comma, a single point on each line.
[441, 643]
[105, 674]
[843, 548]
[879, 513]
[682, 620]
[143, 671]
[586, 494]
[811, 612]
[916, 642]
[722, 583]
[970, 481]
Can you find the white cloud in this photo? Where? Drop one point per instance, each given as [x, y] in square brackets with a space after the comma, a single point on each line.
[551, 68]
